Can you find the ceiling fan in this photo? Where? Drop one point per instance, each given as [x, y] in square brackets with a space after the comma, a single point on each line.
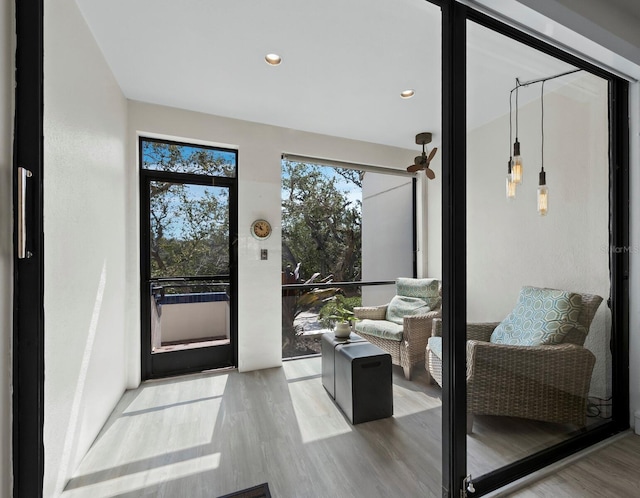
[422, 162]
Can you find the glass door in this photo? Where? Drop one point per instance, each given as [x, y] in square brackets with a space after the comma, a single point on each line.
[536, 370]
[188, 295]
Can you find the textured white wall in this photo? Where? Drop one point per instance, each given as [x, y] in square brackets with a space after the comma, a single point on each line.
[387, 233]
[259, 178]
[84, 216]
[6, 243]
[508, 244]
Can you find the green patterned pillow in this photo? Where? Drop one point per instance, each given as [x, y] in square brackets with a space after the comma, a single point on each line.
[401, 306]
[427, 289]
[541, 316]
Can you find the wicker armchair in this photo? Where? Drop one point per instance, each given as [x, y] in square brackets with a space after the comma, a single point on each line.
[548, 383]
[408, 347]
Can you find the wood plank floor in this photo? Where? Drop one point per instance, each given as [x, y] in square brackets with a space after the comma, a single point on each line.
[609, 472]
[210, 434]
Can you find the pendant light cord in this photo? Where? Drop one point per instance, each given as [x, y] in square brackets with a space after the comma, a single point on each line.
[510, 120]
[517, 87]
[542, 125]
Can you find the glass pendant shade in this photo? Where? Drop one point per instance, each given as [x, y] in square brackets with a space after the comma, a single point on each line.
[516, 170]
[543, 194]
[511, 186]
[543, 200]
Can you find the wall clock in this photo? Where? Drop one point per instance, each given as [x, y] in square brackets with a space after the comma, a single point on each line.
[261, 229]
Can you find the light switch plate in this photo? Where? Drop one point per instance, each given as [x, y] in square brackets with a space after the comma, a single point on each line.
[264, 255]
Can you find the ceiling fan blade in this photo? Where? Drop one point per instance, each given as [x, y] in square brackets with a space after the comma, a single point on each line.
[430, 173]
[431, 154]
[414, 167]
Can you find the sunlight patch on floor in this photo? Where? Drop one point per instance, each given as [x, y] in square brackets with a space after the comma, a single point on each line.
[148, 478]
[317, 415]
[303, 368]
[154, 394]
[155, 433]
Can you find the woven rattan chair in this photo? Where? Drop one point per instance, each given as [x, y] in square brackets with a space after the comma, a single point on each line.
[408, 348]
[548, 383]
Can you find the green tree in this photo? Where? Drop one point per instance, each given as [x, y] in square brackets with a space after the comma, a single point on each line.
[321, 226]
[321, 239]
[189, 223]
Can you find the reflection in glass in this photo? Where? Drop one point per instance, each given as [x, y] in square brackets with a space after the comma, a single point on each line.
[538, 361]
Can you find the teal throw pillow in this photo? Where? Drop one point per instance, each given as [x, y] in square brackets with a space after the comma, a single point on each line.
[427, 289]
[401, 306]
[541, 316]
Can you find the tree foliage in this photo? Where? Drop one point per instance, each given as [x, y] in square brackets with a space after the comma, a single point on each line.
[189, 223]
[321, 226]
[179, 158]
[321, 240]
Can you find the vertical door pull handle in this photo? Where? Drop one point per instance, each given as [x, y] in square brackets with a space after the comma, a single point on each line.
[23, 174]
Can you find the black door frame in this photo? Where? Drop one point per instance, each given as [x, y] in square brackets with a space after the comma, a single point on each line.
[454, 247]
[28, 282]
[160, 365]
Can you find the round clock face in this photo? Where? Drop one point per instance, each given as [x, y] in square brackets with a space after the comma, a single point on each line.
[261, 229]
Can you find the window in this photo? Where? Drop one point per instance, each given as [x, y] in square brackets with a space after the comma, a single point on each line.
[347, 234]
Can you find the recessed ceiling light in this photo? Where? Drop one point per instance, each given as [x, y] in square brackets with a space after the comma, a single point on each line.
[273, 59]
[407, 94]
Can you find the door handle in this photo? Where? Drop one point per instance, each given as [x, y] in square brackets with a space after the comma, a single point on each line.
[23, 174]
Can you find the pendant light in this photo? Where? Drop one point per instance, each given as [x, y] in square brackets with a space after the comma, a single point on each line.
[511, 186]
[543, 194]
[543, 190]
[516, 169]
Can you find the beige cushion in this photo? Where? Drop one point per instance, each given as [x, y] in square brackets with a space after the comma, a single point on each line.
[380, 328]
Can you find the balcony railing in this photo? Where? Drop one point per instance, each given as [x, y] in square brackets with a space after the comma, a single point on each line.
[187, 311]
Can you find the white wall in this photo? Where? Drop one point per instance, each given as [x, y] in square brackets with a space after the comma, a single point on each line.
[188, 321]
[609, 24]
[6, 243]
[259, 177]
[387, 233]
[84, 216]
[509, 245]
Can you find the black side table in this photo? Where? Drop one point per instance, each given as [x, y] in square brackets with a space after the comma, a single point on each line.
[329, 342]
[363, 384]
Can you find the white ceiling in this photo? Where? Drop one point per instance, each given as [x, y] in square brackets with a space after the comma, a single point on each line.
[345, 62]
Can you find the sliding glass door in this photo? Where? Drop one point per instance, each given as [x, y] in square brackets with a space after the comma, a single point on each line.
[535, 296]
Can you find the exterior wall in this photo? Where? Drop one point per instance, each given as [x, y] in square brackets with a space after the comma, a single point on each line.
[6, 244]
[387, 234]
[84, 217]
[259, 185]
[186, 321]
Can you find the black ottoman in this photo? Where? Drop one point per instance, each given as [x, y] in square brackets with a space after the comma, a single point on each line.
[363, 382]
[329, 342]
